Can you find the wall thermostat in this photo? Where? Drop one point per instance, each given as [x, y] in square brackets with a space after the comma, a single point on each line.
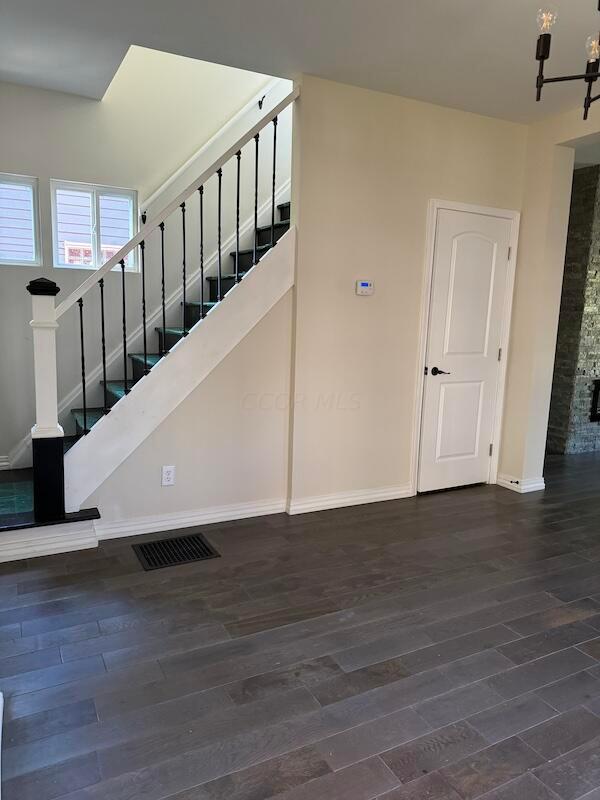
[364, 287]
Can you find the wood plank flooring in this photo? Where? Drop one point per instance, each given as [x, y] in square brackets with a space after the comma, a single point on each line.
[445, 648]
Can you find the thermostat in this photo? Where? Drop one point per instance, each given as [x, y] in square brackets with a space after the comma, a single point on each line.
[364, 287]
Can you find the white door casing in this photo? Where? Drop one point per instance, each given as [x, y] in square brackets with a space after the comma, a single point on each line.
[468, 318]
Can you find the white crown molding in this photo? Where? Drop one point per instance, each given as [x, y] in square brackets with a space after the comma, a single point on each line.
[138, 526]
[520, 485]
[344, 499]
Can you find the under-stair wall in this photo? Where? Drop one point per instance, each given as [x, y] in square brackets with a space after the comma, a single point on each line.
[228, 441]
[155, 400]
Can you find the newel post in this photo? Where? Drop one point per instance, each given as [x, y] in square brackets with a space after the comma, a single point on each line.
[47, 435]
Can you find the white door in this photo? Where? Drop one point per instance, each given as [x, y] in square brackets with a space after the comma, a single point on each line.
[468, 294]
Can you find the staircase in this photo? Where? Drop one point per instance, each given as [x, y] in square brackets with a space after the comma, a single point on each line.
[218, 305]
[168, 337]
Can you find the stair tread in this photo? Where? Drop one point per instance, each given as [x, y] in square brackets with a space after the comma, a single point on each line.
[283, 223]
[93, 415]
[262, 248]
[151, 358]
[117, 387]
[285, 205]
[228, 276]
[197, 303]
[173, 331]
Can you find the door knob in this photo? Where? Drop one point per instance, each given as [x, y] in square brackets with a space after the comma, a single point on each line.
[436, 371]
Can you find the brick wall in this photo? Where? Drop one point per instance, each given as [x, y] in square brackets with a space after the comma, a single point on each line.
[578, 343]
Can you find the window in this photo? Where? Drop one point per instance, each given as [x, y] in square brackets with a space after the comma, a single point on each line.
[90, 224]
[19, 225]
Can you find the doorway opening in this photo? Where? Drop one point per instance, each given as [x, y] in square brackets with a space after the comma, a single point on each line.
[574, 420]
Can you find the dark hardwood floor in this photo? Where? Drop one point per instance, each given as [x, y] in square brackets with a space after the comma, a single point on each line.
[442, 648]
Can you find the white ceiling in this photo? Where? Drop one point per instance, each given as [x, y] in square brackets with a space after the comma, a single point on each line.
[476, 55]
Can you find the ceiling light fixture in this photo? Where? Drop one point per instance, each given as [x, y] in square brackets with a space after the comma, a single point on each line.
[546, 19]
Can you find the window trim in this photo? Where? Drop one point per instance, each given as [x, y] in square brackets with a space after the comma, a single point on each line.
[34, 185]
[96, 190]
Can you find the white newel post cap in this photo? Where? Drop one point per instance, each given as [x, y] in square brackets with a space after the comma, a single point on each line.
[44, 325]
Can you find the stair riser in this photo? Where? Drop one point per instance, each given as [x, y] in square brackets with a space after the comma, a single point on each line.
[264, 236]
[111, 399]
[226, 285]
[245, 261]
[79, 427]
[170, 341]
[284, 212]
[192, 314]
[138, 370]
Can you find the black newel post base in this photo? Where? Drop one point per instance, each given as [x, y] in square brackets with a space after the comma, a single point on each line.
[48, 479]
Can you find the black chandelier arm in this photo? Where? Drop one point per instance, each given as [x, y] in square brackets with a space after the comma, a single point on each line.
[585, 76]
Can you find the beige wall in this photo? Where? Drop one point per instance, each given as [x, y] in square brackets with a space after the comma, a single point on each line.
[368, 165]
[157, 112]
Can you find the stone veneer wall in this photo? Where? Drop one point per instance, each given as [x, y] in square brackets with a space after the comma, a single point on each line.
[577, 361]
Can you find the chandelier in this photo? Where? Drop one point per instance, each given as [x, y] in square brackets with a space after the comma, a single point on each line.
[546, 19]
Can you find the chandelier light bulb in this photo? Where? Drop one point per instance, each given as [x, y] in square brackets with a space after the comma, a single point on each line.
[592, 48]
[546, 18]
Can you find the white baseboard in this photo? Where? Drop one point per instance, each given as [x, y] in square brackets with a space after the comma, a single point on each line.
[344, 499]
[4, 462]
[186, 519]
[47, 540]
[520, 485]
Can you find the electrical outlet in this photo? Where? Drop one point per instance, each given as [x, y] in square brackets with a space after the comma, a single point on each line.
[168, 476]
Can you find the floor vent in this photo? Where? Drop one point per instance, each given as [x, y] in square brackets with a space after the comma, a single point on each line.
[170, 552]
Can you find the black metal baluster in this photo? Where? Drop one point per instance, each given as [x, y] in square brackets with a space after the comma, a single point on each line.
[162, 269]
[85, 427]
[106, 409]
[256, 139]
[183, 245]
[201, 191]
[220, 174]
[143, 259]
[125, 384]
[237, 219]
[273, 190]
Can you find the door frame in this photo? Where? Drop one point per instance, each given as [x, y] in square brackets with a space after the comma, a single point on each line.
[434, 207]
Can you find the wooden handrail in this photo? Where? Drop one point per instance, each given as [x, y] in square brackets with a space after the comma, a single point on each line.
[154, 223]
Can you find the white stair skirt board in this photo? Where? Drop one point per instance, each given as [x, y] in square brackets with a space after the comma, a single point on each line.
[96, 456]
[342, 499]
[522, 486]
[138, 526]
[47, 540]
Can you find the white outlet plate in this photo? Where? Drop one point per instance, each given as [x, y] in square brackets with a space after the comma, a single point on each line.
[168, 476]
